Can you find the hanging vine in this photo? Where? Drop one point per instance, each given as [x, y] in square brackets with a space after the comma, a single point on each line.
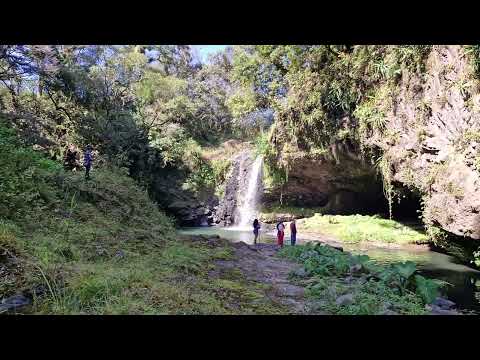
[385, 167]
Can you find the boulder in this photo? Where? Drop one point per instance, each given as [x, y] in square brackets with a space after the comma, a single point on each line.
[438, 311]
[444, 304]
[183, 204]
[14, 302]
[344, 300]
[120, 254]
[37, 291]
[100, 251]
[317, 305]
[300, 272]
[356, 268]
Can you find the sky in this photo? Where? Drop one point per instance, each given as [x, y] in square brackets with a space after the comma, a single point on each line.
[205, 50]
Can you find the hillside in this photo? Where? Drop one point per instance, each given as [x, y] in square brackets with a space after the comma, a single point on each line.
[103, 247]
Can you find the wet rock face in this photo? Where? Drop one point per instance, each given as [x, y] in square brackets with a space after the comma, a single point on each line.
[435, 148]
[341, 182]
[237, 182]
[184, 205]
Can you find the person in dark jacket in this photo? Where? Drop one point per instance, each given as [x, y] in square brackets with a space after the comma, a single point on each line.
[256, 230]
[87, 161]
[293, 232]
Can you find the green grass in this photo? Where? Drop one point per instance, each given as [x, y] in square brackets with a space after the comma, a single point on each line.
[173, 280]
[75, 257]
[369, 298]
[362, 228]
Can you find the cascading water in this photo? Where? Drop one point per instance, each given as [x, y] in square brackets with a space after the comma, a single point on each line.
[248, 206]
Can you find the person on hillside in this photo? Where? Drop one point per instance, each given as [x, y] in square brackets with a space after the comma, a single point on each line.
[280, 233]
[293, 232]
[87, 161]
[256, 230]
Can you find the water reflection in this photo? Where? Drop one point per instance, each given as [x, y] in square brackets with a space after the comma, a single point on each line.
[231, 234]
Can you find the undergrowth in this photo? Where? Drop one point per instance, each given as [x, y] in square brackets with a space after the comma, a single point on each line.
[373, 288]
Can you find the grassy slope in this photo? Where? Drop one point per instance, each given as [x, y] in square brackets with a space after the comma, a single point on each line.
[102, 247]
[362, 229]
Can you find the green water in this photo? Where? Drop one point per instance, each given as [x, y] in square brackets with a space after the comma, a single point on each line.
[464, 288]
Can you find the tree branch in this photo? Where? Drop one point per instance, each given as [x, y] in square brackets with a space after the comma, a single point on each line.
[58, 107]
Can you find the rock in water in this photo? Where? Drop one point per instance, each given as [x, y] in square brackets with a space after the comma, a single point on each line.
[443, 303]
[344, 300]
[14, 302]
[439, 311]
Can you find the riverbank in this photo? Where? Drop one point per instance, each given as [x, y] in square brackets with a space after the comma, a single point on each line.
[338, 282]
[255, 263]
[365, 230]
[320, 279]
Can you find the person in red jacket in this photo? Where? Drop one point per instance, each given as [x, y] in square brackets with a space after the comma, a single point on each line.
[280, 233]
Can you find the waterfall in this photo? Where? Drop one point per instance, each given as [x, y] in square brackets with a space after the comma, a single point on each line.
[248, 207]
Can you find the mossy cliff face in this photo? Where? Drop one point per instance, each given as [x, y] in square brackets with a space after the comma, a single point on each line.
[420, 130]
[432, 140]
[236, 182]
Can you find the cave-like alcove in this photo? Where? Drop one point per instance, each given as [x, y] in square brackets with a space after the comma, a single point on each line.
[406, 205]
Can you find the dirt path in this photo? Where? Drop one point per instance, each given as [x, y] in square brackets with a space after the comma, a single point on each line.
[259, 263]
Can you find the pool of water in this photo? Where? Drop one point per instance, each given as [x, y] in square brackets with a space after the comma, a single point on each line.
[464, 288]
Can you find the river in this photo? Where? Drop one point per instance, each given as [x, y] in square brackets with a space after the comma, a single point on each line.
[464, 288]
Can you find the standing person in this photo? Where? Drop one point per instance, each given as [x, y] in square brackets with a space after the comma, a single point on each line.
[280, 233]
[87, 161]
[293, 232]
[256, 229]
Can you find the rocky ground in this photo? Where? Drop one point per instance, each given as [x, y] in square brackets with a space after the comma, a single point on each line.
[258, 263]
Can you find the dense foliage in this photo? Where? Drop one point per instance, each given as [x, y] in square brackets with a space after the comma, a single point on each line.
[146, 108]
[103, 247]
[149, 108]
[333, 273]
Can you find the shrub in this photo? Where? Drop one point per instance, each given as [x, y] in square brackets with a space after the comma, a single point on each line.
[25, 174]
[398, 281]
